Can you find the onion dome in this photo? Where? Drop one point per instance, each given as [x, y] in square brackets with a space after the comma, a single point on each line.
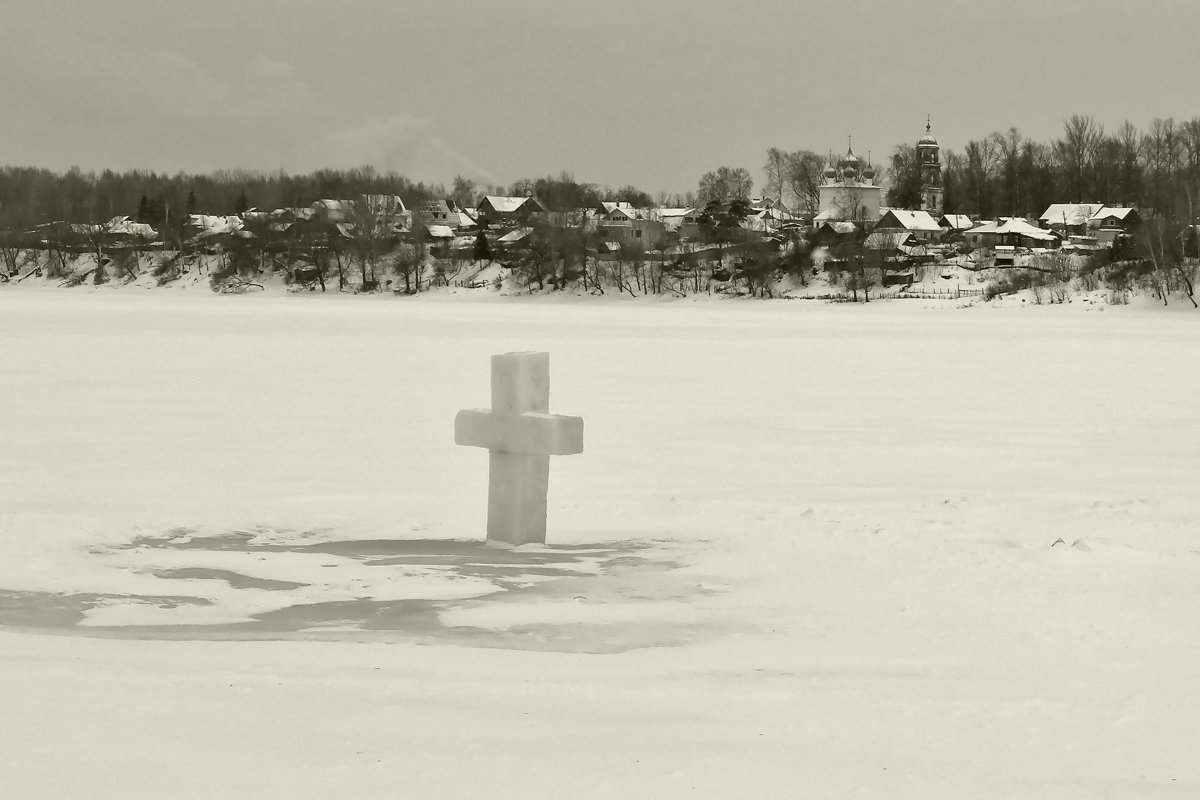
[830, 172]
[849, 172]
[927, 140]
[869, 172]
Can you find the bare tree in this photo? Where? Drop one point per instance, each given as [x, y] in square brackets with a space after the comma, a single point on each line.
[1189, 134]
[981, 159]
[1160, 243]
[904, 177]
[848, 203]
[98, 236]
[775, 171]
[1160, 152]
[1009, 163]
[407, 259]
[880, 251]
[804, 180]
[725, 185]
[1077, 152]
[372, 222]
[464, 192]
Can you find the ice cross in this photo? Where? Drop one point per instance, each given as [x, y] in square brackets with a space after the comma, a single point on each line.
[520, 434]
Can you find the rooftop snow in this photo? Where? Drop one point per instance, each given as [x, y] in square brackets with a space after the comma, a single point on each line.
[1069, 213]
[913, 220]
[505, 205]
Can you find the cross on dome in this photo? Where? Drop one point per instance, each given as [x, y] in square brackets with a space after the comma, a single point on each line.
[927, 140]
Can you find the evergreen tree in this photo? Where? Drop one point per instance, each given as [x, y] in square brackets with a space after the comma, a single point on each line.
[157, 217]
[483, 251]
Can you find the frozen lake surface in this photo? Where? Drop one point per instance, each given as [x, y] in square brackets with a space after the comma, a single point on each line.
[896, 550]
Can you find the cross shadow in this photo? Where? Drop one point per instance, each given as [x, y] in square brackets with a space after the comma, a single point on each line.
[641, 573]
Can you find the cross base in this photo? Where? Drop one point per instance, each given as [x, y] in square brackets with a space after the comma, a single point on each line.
[517, 487]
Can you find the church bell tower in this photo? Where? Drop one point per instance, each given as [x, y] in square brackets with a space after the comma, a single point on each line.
[931, 172]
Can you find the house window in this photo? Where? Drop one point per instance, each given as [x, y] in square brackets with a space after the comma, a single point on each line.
[637, 233]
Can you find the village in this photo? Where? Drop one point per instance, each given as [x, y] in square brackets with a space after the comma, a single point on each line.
[844, 244]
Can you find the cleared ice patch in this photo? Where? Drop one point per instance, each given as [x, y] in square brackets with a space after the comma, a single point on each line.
[510, 615]
[130, 612]
[278, 583]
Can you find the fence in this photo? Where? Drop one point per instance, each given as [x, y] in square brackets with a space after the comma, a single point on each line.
[902, 294]
[939, 294]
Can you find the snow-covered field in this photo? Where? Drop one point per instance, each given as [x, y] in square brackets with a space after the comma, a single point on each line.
[809, 551]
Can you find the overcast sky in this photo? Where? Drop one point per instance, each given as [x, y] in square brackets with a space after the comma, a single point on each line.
[649, 92]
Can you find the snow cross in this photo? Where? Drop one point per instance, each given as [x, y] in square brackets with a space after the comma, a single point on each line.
[520, 434]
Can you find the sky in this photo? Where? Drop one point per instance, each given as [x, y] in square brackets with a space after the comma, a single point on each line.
[652, 92]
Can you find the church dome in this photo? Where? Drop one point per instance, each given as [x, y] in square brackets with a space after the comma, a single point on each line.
[830, 172]
[848, 172]
[927, 140]
[869, 172]
[848, 160]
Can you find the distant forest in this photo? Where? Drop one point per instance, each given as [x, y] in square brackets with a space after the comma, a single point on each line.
[31, 196]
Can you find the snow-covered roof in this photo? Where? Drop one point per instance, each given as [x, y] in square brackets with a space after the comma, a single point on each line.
[754, 222]
[841, 226]
[343, 206]
[1014, 225]
[515, 235]
[1069, 213]
[505, 205]
[886, 240]
[385, 204]
[910, 220]
[775, 203]
[124, 226]
[623, 211]
[440, 231]
[830, 214]
[213, 224]
[957, 222]
[674, 212]
[1112, 213]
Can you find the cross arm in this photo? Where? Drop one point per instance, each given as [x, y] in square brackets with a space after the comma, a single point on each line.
[526, 434]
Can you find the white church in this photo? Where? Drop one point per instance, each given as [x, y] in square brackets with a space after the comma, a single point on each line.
[849, 193]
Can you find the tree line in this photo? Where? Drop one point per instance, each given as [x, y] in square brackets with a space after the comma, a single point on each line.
[31, 196]
[1008, 174]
